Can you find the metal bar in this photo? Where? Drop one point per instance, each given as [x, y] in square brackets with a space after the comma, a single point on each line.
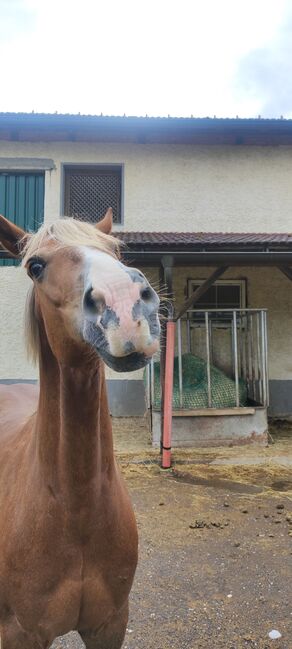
[228, 310]
[168, 392]
[152, 382]
[148, 387]
[263, 359]
[242, 351]
[180, 378]
[252, 355]
[266, 358]
[249, 359]
[189, 339]
[208, 360]
[260, 377]
[211, 341]
[235, 356]
[197, 294]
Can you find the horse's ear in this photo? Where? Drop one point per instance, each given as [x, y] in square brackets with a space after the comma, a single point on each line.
[106, 223]
[10, 236]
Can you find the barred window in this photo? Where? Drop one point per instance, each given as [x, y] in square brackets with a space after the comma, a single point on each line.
[90, 191]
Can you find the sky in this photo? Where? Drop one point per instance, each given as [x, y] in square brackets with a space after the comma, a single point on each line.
[147, 57]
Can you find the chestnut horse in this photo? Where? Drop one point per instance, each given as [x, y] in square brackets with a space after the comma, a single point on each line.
[68, 540]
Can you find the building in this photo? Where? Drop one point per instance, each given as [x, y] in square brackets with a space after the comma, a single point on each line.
[189, 195]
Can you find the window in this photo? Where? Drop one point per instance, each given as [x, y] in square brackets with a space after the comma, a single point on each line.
[91, 190]
[21, 201]
[224, 294]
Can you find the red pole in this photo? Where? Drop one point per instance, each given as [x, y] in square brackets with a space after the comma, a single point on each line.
[168, 391]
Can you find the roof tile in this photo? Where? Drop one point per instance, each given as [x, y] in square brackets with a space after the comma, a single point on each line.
[203, 238]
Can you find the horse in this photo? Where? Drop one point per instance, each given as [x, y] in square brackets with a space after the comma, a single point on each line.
[68, 540]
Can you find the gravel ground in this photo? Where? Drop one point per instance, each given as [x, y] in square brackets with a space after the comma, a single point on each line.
[215, 567]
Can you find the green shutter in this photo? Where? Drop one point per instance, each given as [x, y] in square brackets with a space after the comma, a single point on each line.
[22, 201]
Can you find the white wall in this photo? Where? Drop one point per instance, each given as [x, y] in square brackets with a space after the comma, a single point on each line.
[174, 187]
[183, 187]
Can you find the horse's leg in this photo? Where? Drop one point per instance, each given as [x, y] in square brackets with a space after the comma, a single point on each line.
[111, 636]
[13, 637]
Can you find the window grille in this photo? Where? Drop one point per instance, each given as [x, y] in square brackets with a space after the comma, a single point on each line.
[89, 192]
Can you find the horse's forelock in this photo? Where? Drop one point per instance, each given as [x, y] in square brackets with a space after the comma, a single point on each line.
[70, 232]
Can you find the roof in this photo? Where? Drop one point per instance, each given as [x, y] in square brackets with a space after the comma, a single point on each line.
[210, 240]
[144, 130]
[207, 248]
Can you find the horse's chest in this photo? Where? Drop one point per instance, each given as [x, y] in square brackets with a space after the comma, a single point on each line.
[103, 593]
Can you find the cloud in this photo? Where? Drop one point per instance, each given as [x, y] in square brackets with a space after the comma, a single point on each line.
[264, 75]
[15, 17]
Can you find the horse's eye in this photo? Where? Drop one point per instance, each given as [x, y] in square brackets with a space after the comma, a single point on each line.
[35, 268]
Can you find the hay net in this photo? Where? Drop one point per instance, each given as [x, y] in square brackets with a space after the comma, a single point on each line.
[195, 386]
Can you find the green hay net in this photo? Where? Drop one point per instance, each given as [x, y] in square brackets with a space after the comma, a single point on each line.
[195, 386]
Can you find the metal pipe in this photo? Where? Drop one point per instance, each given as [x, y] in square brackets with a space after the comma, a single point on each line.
[189, 343]
[148, 388]
[260, 376]
[249, 359]
[152, 382]
[252, 355]
[263, 359]
[226, 311]
[208, 360]
[235, 354]
[267, 359]
[180, 379]
[168, 392]
[241, 346]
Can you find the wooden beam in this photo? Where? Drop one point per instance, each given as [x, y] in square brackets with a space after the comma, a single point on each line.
[214, 412]
[286, 270]
[197, 294]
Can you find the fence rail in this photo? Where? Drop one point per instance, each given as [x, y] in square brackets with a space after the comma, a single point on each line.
[233, 340]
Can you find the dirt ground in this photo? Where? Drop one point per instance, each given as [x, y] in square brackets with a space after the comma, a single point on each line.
[215, 567]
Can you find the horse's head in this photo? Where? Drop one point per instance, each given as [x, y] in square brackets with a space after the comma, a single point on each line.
[83, 296]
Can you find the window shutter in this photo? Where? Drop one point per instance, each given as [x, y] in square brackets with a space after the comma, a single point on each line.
[22, 202]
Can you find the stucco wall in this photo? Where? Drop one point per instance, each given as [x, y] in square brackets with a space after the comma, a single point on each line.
[13, 358]
[174, 188]
[182, 187]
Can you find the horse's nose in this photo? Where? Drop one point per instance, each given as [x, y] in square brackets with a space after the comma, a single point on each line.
[147, 294]
[93, 302]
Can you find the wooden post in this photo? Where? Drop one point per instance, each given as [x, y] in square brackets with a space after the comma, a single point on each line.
[286, 270]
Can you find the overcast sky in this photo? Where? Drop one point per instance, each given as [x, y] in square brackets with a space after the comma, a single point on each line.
[155, 57]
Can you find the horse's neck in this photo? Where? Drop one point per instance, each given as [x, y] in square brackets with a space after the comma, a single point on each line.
[73, 427]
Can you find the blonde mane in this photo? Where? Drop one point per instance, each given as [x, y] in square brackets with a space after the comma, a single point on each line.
[69, 232]
[64, 232]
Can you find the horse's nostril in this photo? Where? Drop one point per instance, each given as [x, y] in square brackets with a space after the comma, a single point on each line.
[88, 300]
[146, 294]
[93, 305]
